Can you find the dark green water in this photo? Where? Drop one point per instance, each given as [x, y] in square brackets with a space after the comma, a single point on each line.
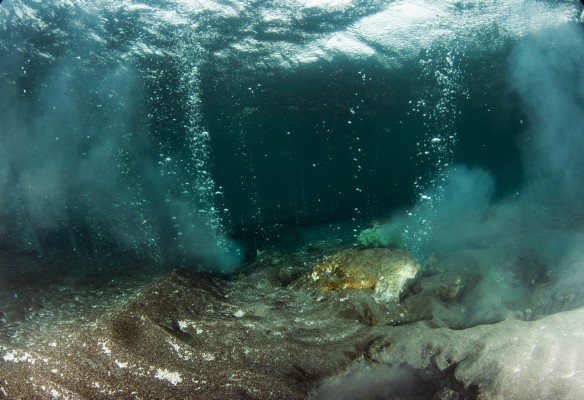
[196, 134]
[182, 133]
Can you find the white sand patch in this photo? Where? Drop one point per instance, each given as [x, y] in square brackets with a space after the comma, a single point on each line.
[180, 351]
[104, 347]
[13, 356]
[185, 324]
[166, 375]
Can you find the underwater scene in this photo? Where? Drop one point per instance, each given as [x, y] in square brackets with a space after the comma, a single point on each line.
[292, 199]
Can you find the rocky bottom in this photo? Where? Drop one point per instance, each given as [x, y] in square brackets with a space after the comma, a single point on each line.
[277, 331]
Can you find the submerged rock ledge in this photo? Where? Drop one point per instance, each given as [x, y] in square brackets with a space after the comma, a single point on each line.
[272, 334]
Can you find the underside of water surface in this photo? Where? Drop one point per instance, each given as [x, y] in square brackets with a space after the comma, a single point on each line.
[328, 199]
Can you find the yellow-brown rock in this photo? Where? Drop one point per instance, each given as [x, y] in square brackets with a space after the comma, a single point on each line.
[383, 270]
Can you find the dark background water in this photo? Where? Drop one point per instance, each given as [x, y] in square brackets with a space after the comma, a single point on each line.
[291, 146]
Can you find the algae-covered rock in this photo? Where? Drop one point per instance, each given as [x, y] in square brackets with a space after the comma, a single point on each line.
[371, 237]
[383, 270]
[382, 235]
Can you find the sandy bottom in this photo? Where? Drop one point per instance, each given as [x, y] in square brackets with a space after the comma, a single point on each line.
[110, 330]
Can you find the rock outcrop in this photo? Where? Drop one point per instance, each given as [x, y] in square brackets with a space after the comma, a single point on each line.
[385, 271]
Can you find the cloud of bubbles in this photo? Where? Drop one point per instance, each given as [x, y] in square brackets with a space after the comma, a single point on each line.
[81, 169]
[509, 246]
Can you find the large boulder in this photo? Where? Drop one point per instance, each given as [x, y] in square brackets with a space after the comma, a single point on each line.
[384, 271]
